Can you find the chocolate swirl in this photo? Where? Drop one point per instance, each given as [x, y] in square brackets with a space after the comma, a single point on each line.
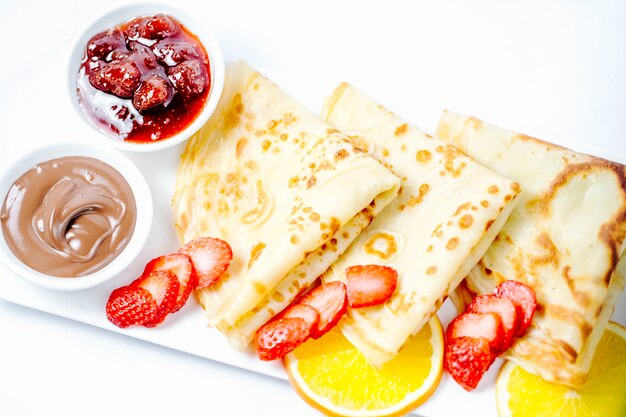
[69, 217]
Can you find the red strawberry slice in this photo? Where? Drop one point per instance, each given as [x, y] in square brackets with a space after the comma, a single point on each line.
[524, 299]
[180, 265]
[369, 285]
[504, 308]
[130, 305]
[210, 257]
[487, 325]
[330, 300]
[279, 337]
[303, 311]
[163, 286]
[467, 359]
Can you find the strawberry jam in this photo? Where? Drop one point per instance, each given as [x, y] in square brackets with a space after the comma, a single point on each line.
[145, 80]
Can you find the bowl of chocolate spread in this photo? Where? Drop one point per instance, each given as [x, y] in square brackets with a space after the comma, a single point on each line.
[69, 215]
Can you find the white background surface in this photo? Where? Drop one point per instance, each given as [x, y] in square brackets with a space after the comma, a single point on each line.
[556, 70]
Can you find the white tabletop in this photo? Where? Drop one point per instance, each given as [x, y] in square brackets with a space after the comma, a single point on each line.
[543, 68]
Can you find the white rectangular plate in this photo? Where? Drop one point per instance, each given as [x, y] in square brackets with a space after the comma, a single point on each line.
[186, 330]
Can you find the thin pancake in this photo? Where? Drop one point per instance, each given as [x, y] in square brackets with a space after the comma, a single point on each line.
[449, 210]
[282, 187]
[564, 239]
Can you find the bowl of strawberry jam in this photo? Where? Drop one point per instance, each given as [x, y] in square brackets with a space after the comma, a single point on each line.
[146, 76]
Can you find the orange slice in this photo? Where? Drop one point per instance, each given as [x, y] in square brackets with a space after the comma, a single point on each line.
[331, 375]
[519, 393]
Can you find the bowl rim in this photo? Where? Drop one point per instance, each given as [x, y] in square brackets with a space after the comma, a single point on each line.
[121, 13]
[143, 222]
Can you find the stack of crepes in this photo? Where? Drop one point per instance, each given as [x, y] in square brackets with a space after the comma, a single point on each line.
[449, 210]
[284, 189]
[565, 239]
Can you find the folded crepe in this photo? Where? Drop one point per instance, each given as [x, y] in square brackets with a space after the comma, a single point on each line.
[564, 239]
[283, 188]
[449, 210]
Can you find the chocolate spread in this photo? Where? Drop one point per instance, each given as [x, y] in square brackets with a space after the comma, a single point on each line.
[69, 217]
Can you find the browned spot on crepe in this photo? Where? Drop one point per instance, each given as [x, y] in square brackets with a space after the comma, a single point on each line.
[389, 242]
[340, 154]
[423, 156]
[465, 221]
[401, 130]
[452, 243]
[241, 143]
[255, 252]
[263, 202]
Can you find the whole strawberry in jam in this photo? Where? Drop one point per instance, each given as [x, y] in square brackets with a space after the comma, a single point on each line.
[158, 27]
[120, 78]
[153, 91]
[101, 45]
[172, 52]
[189, 77]
[143, 57]
[156, 75]
[151, 27]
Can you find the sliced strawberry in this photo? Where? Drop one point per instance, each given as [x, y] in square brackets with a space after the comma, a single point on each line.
[163, 285]
[369, 285]
[504, 308]
[330, 300]
[303, 311]
[279, 337]
[524, 299]
[467, 359]
[130, 305]
[180, 265]
[210, 257]
[487, 325]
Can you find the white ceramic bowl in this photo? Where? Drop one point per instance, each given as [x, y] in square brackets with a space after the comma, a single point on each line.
[143, 224]
[120, 15]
